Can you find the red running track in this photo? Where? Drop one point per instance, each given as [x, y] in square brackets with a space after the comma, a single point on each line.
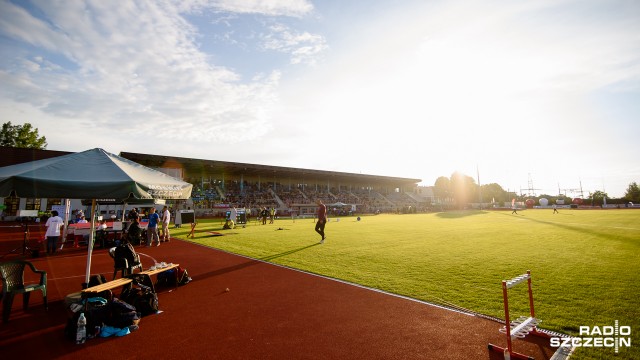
[270, 312]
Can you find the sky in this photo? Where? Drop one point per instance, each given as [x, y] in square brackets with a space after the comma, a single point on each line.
[538, 96]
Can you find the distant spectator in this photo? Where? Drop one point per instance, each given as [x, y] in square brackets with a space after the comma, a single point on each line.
[152, 228]
[166, 218]
[133, 214]
[233, 214]
[272, 215]
[229, 224]
[54, 223]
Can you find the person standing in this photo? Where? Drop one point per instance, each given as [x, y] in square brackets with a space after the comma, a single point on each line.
[263, 214]
[152, 228]
[555, 209]
[233, 214]
[166, 219]
[54, 223]
[272, 215]
[322, 219]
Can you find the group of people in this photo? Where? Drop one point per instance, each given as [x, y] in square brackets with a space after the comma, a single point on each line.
[134, 232]
[267, 213]
[158, 228]
[155, 221]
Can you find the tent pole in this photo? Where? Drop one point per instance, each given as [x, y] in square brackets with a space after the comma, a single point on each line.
[91, 236]
[67, 207]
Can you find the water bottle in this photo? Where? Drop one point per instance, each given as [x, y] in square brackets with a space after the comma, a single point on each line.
[81, 334]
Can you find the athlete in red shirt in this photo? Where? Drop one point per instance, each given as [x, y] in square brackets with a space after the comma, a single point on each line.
[322, 219]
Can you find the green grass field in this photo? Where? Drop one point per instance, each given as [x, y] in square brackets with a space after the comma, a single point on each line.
[585, 264]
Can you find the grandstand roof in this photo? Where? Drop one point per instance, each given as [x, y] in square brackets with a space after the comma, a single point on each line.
[14, 155]
[233, 169]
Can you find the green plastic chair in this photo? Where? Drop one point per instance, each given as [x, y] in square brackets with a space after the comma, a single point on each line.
[12, 273]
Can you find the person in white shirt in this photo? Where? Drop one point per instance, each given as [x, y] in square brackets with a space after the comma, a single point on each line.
[166, 218]
[54, 223]
[233, 214]
[102, 225]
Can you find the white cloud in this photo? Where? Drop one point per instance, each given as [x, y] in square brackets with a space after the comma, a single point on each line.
[132, 64]
[304, 47]
[416, 89]
[293, 8]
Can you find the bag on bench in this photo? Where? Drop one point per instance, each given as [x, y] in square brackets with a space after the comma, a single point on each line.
[141, 294]
[168, 278]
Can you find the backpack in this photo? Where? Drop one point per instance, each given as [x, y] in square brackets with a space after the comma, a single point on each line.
[168, 278]
[122, 314]
[183, 276]
[97, 280]
[141, 294]
[126, 251]
[97, 313]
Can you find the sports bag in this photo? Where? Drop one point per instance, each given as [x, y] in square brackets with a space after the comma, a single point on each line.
[95, 310]
[168, 278]
[122, 314]
[141, 294]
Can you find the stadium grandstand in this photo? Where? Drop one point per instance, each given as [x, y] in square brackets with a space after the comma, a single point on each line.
[220, 185]
[292, 191]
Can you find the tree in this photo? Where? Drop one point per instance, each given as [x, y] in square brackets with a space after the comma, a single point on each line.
[21, 136]
[442, 189]
[464, 189]
[493, 191]
[597, 197]
[633, 193]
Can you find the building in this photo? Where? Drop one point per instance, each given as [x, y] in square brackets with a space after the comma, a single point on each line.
[219, 185]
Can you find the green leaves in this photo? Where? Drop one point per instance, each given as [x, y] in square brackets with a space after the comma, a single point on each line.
[21, 136]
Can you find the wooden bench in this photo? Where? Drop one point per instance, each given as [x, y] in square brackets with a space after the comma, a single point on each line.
[110, 285]
[160, 270]
[114, 284]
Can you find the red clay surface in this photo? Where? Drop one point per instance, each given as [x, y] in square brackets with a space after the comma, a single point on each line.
[270, 312]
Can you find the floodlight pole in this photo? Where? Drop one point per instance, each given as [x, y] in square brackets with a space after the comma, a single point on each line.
[479, 187]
